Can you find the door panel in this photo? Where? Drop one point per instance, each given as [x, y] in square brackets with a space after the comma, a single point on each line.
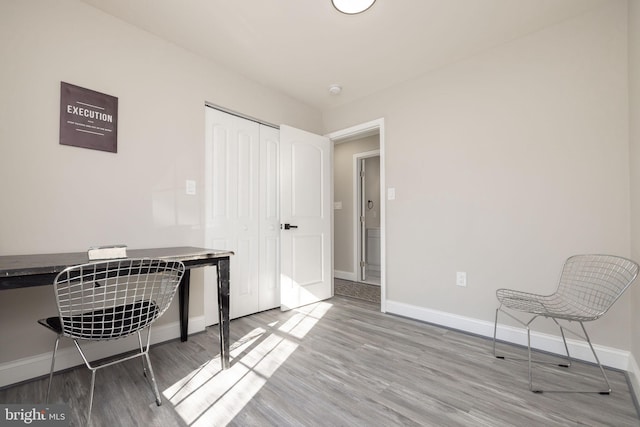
[219, 156]
[270, 174]
[233, 151]
[248, 150]
[305, 203]
[306, 250]
[306, 181]
[361, 221]
[269, 218]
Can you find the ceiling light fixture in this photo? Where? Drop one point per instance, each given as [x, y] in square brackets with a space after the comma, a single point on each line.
[335, 89]
[352, 7]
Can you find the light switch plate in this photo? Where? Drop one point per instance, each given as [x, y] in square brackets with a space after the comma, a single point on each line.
[191, 187]
[461, 278]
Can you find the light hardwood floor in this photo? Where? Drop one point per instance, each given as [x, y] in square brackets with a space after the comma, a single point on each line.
[336, 363]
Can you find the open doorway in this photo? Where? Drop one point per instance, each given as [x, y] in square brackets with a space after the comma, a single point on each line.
[367, 216]
[358, 215]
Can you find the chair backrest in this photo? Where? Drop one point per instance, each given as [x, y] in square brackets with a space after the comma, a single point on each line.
[592, 283]
[112, 299]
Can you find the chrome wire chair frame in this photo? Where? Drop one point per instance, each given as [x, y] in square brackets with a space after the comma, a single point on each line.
[109, 300]
[589, 285]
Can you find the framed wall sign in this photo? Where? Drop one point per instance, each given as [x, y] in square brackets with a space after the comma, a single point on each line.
[88, 119]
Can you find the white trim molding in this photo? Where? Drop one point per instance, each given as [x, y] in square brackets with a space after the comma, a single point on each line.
[357, 195]
[345, 275]
[358, 131]
[634, 377]
[67, 357]
[610, 357]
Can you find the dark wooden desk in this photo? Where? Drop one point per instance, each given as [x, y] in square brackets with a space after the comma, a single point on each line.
[19, 271]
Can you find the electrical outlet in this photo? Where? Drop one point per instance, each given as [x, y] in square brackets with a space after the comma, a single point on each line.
[461, 278]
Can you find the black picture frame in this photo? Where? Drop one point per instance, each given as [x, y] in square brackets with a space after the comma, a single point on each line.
[88, 119]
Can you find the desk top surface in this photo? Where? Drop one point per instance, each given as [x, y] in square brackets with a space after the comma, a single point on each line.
[25, 265]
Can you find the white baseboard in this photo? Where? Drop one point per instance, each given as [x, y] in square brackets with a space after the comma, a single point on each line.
[634, 377]
[611, 357]
[374, 267]
[345, 275]
[35, 366]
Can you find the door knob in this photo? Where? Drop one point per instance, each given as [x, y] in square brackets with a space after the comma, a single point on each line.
[289, 226]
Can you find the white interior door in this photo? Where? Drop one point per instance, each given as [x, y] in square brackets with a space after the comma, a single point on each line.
[233, 182]
[306, 237]
[361, 218]
[269, 283]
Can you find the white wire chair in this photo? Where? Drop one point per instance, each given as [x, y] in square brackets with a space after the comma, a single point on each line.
[588, 287]
[109, 300]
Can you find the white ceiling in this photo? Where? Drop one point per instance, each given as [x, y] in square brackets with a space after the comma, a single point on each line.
[300, 47]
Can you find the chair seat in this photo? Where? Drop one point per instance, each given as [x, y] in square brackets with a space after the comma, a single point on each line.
[546, 305]
[114, 322]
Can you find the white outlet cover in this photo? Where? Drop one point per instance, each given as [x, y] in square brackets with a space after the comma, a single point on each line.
[191, 187]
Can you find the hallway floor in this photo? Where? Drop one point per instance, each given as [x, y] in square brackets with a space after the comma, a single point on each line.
[362, 291]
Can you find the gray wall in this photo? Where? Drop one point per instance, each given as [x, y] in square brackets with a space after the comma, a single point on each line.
[58, 198]
[506, 163]
[634, 134]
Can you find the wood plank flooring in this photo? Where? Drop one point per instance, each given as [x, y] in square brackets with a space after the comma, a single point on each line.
[336, 363]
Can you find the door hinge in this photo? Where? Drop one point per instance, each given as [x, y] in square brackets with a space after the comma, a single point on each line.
[363, 264]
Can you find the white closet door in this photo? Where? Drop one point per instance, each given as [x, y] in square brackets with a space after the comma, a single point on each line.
[253, 180]
[233, 222]
[269, 279]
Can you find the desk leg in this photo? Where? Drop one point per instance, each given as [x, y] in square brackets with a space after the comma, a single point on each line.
[223, 310]
[183, 295]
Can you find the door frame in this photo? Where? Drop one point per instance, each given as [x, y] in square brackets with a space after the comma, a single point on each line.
[360, 131]
[359, 235]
